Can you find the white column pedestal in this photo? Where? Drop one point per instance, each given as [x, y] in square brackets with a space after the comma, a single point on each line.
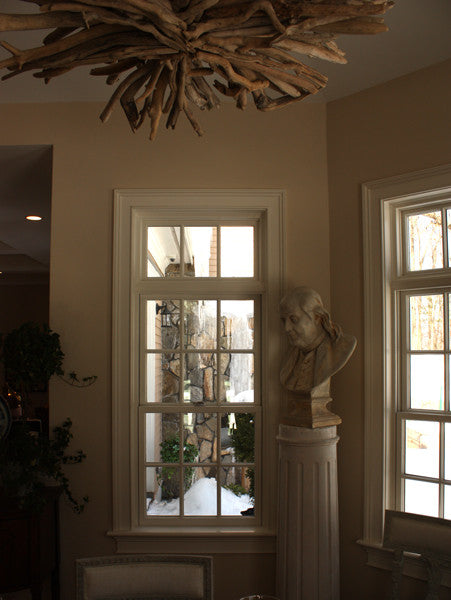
[308, 552]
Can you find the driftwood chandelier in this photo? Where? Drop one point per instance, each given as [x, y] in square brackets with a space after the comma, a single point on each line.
[167, 56]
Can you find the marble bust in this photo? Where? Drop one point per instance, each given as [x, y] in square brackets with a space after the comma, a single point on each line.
[319, 347]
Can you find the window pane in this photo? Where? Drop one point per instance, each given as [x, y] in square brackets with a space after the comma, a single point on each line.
[200, 377]
[200, 324]
[158, 503]
[163, 251]
[240, 444]
[447, 507]
[421, 497]
[201, 251]
[422, 448]
[425, 241]
[200, 497]
[448, 451]
[236, 484]
[448, 233]
[200, 437]
[237, 383]
[163, 319]
[426, 381]
[237, 251]
[237, 323]
[426, 322]
[162, 377]
[162, 437]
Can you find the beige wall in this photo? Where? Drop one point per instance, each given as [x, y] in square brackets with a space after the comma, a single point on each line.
[285, 149]
[396, 128]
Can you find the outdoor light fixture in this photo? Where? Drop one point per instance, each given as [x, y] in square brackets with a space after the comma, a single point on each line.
[173, 55]
[33, 218]
[165, 315]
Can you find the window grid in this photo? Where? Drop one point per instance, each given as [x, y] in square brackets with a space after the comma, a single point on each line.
[221, 407]
[405, 412]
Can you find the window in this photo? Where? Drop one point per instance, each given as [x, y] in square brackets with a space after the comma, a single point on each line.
[195, 380]
[407, 278]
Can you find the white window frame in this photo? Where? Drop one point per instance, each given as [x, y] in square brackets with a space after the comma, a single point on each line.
[131, 209]
[381, 201]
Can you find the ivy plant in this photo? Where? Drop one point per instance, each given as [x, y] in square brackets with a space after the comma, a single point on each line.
[29, 460]
[167, 477]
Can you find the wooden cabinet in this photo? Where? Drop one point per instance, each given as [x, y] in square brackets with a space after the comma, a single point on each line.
[29, 547]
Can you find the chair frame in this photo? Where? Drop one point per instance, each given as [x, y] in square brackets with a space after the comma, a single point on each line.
[123, 559]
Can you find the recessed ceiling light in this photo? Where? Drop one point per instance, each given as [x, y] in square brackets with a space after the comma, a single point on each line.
[33, 218]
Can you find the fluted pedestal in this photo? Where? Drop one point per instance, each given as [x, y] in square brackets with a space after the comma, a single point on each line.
[308, 553]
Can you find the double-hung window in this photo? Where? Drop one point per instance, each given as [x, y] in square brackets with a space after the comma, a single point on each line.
[196, 285]
[407, 273]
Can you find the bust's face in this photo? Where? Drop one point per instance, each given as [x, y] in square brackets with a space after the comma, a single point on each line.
[301, 328]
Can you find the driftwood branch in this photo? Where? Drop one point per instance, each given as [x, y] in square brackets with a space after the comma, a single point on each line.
[167, 56]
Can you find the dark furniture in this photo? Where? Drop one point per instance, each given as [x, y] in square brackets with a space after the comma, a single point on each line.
[29, 547]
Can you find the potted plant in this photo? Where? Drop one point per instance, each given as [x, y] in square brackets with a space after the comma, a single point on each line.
[30, 459]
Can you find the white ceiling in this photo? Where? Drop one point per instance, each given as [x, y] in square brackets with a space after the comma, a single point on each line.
[419, 36]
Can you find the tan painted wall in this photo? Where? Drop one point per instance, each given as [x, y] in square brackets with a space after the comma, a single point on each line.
[392, 129]
[285, 149]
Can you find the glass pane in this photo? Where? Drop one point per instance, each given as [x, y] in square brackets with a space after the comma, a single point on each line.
[237, 382]
[162, 377]
[163, 320]
[448, 451]
[162, 437]
[447, 507]
[238, 438]
[421, 497]
[163, 251]
[422, 448]
[237, 491]
[200, 324]
[201, 251]
[426, 322]
[155, 481]
[237, 324]
[199, 377]
[200, 497]
[425, 241]
[448, 233]
[163, 491]
[426, 381]
[200, 437]
[237, 251]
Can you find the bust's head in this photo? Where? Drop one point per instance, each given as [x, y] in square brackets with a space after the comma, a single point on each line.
[305, 319]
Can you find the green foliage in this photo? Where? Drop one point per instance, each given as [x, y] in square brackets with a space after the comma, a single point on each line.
[170, 453]
[31, 355]
[236, 488]
[27, 459]
[243, 442]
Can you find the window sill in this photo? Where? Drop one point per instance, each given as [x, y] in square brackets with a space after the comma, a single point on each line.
[414, 566]
[213, 540]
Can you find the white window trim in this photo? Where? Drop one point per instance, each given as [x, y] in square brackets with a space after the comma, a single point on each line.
[269, 205]
[380, 197]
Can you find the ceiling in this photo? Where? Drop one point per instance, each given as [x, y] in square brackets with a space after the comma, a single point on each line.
[418, 37]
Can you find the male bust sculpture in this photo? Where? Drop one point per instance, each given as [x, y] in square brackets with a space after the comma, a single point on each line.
[320, 348]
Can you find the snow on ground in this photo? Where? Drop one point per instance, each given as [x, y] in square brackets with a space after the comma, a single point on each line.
[200, 500]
